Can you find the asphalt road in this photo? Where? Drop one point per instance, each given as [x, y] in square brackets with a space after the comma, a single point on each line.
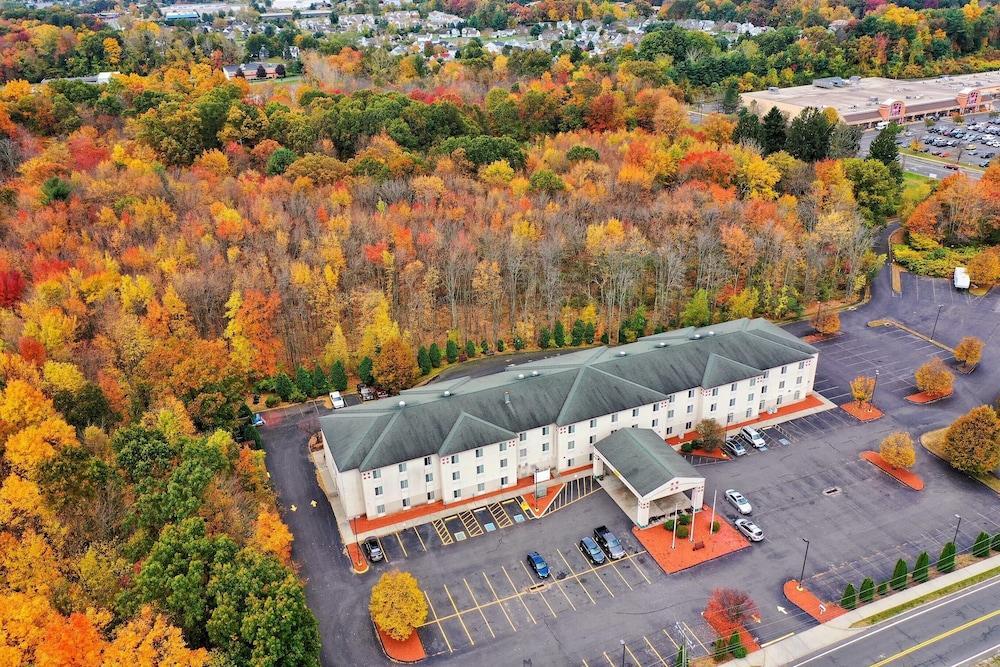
[958, 630]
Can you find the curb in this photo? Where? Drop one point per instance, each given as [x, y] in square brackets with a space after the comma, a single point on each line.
[888, 322]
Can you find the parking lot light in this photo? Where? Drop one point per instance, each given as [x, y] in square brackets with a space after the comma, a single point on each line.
[623, 652]
[958, 525]
[804, 557]
[934, 329]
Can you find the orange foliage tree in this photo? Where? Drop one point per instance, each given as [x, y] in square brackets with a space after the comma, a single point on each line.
[934, 378]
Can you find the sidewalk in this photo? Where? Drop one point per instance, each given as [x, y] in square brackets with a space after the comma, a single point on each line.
[838, 630]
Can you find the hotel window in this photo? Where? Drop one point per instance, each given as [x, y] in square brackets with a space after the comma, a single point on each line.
[670, 414]
[545, 446]
[593, 423]
[729, 418]
[570, 445]
[524, 453]
[670, 429]
[715, 391]
[797, 395]
[454, 460]
[429, 477]
[406, 502]
[480, 487]
[802, 365]
[376, 474]
[732, 387]
[479, 452]
[503, 447]
[766, 373]
[570, 462]
[427, 460]
[712, 409]
[749, 413]
[656, 407]
[798, 380]
[403, 483]
[778, 402]
[504, 481]
[687, 426]
[690, 409]
[690, 393]
[457, 493]
[480, 469]
[781, 385]
[750, 398]
[455, 475]
[753, 382]
[783, 369]
[430, 495]
[571, 428]
[670, 398]
[378, 490]
[614, 418]
[593, 439]
[634, 426]
[380, 509]
[503, 463]
[545, 430]
[656, 422]
[635, 412]
[522, 436]
[732, 402]
[760, 406]
[402, 467]
[763, 389]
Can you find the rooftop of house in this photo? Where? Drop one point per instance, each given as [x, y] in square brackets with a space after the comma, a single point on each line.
[456, 415]
[643, 460]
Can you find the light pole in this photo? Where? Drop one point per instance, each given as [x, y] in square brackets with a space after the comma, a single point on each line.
[871, 403]
[623, 652]
[804, 557]
[933, 330]
[954, 540]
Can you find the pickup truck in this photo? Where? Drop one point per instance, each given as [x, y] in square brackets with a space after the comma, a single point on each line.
[609, 542]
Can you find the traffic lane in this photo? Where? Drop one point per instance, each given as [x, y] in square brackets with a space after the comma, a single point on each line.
[941, 633]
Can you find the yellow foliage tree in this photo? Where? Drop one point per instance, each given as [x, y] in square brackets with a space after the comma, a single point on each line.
[397, 604]
[37, 443]
[934, 378]
[149, 640]
[897, 450]
[862, 389]
[272, 535]
[62, 376]
[969, 351]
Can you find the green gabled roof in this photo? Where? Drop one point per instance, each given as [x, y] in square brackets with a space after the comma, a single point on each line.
[643, 459]
[719, 371]
[596, 393]
[470, 432]
[352, 436]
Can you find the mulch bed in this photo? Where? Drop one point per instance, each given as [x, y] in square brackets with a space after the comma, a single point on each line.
[358, 561]
[819, 337]
[902, 475]
[810, 604]
[714, 454]
[925, 397]
[866, 412]
[408, 651]
[538, 506]
[724, 628]
[965, 369]
[656, 540]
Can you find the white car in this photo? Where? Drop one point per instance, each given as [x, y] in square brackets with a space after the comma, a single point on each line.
[337, 400]
[739, 501]
[750, 529]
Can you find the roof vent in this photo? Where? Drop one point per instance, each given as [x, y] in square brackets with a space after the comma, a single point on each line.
[446, 394]
[520, 376]
[711, 333]
[622, 353]
[534, 374]
[402, 404]
[696, 336]
[661, 344]
[506, 398]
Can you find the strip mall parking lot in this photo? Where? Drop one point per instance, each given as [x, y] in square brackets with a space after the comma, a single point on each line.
[485, 608]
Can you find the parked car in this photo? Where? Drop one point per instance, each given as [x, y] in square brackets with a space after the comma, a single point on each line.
[538, 565]
[609, 542]
[258, 420]
[750, 529]
[753, 436]
[739, 501]
[373, 550]
[337, 400]
[593, 552]
[367, 393]
[735, 447]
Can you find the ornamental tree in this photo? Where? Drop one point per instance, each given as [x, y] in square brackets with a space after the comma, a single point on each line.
[397, 604]
[862, 389]
[394, 367]
[972, 442]
[849, 599]
[732, 605]
[897, 450]
[867, 591]
[933, 378]
[946, 561]
[711, 434]
[969, 351]
[898, 581]
[921, 567]
[827, 321]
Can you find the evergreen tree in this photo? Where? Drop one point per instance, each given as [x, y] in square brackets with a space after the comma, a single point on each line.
[435, 355]
[849, 600]
[338, 376]
[484, 346]
[544, 338]
[884, 150]
[772, 131]
[365, 371]
[898, 581]
[320, 384]
[501, 346]
[736, 645]
[451, 351]
[996, 542]
[304, 381]
[808, 136]
[748, 129]
[867, 592]
[559, 334]
[470, 349]
[576, 333]
[981, 547]
[283, 386]
[921, 567]
[588, 333]
[845, 141]
[518, 343]
[730, 98]
[946, 561]
[681, 659]
[424, 360]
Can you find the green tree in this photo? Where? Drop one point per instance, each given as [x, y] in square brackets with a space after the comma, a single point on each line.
[470, 348]
[434, 353]
[544, 338]
[424, 360]
[773, 131]
[730, 98]
[280, 160]
[972, 442]
[845, 141]
[681, 659]
[142, 453]
[87, 406]
[981, 547]
[885, 150]
[559, 334]
[719, 649]
[946, 561]
[808, 136]
[319, 381]
[898, 581]
[867, 591]
[338, 376]
[589, 331]
[365, 371]
[744, 303]
[451, 351]
[749, 130]
[921, 567]
[304, 381]
[696, 312]
[876, 190]
[849, 599]
[577, 332]
[996, 542]
[283, 386]
[546, 181]
[736, 645]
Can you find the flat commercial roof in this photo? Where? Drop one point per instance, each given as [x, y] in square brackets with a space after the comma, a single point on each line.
[859, 96]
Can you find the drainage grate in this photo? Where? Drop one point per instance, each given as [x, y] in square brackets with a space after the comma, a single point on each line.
[832, 491]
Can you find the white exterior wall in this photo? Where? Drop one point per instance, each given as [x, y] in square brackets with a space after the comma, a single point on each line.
[549, 446]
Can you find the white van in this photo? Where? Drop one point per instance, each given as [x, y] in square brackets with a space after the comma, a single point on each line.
[881, 125]
[753, 436]
[961, 280]
[337, 400]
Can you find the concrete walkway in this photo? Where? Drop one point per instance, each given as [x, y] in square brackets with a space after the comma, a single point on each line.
[834, 632]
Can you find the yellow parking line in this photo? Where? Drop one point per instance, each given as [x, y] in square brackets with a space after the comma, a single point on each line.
[632, 559]
[434, 613]
[610, 661]
[653, 649]
[676, 645]
[385, 554]
[937, 638]
[541, 593]
[401, 546]
[481, 612]
[688, 628]
[497, 598]
[634, 659]
[621, 575]
[421, 540]
[603, 583]
[459, 615]
[518, 594]
[585, 663]
[577, 577]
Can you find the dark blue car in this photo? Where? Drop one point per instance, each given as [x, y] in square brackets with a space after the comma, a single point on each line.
[593, 552]
[538, 564]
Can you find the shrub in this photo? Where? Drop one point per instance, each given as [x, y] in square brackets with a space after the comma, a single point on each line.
[716, 526]
[981, 547]
[946, 562]
[898, 581]
[921, 567]
[271, 401]
[545, 180]
[740, 652]
[867, 591]
[883, 587]
[297, 396]
[470, 349]
[683, 531]
[669, 524]
[996, 542]
[579, 152]
[684, 519]
[501, 346]
[687, 447]
[719, 649]
[735, 643]
[849, 599]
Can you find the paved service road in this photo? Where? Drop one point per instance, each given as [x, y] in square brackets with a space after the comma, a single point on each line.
[956, 631]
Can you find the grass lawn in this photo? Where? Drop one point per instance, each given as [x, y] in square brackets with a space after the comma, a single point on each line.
[295, 78]
[916, 188]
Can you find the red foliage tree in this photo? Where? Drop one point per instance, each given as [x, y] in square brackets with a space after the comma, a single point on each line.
[32, 350]
[11, 288]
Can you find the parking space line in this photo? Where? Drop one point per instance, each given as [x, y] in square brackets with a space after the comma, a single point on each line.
[434, 614]
[479, 607]
[653, 649]
[676, 645]
[621, 575]
[541, 592]
[518, 594]
[497, 598]
[632, 559]
[601, 579]
[629, 650]
[688, 628]
[577, 577]
[420, 539]
[458, 614]
[385, 554]
[442, 531]
[610, 661]
[400, 540]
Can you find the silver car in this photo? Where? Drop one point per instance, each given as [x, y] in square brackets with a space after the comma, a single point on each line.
[750, 529]
[737, 500]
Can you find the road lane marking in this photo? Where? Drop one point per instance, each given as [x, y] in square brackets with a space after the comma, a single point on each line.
[653, 649]
[634, 659]
[676, 645]
[610, 661]
[459, 615]
[978, 655]
[937, 638]
[481, 612]
[385, 554]
[518, 594]
[576, 576]
[632, 559]
[497, 598]
[438, 621]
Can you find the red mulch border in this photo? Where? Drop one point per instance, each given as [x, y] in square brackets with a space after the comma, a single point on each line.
[656, 541]
[539, 506]
[809, 603]
[866, 413]
[818, 337]
[901, 475]
[724, 628]
[717, 454]
[359, 564]
[408, 651]
[925, 397]
[808, 403]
